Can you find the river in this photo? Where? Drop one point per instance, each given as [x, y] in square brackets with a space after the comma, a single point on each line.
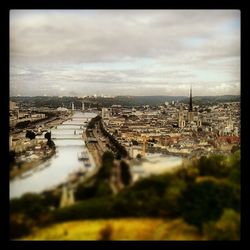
[68, 140]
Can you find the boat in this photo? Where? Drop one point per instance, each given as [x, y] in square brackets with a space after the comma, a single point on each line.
[83, 156]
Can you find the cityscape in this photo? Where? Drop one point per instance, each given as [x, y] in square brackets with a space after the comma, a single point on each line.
[122, 149]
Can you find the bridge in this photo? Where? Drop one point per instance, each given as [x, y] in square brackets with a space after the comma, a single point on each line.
[66, 138]
[68, 128]
[74, 124]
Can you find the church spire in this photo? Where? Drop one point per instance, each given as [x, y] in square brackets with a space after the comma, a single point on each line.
[190, 101]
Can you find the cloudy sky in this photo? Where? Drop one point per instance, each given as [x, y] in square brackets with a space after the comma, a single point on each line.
[124, 52]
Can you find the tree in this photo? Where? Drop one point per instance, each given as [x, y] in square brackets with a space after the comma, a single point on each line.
[226, 228]
[134, 142]
[172, 195]
[125, 173]
[107, 164]
[23, 124]
[204, 201]
[30, 204]
[213, 165]
[83, 192]
[20, 225]
[51, 144]
[51, 199]
[103, 188]
[138, 156]
[48, 136]
[235, 173]
[30, 134]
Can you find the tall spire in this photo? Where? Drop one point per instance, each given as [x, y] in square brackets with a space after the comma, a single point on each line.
[190, 101]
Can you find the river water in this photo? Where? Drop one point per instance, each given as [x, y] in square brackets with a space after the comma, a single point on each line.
[68, 140]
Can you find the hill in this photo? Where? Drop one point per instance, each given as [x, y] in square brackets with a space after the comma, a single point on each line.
[129, 101]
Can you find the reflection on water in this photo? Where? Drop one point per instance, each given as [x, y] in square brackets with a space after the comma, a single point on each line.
[56, 169]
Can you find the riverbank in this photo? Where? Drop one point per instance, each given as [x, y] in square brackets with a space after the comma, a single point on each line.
[26, 166]
[57, 122]
[29, 164]
[63, 169]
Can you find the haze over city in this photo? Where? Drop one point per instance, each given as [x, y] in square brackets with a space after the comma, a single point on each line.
[124, 52]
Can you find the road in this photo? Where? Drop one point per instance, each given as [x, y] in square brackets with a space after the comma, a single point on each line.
[97, 149]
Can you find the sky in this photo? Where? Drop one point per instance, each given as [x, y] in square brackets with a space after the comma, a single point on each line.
[124, 52]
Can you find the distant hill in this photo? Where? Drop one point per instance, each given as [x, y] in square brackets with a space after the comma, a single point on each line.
[129, 101]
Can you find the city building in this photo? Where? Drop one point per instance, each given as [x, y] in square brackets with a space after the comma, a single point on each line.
[190, 116]
[181, 119]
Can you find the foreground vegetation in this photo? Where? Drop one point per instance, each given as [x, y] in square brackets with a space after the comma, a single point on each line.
[205, 195]
[118, 229]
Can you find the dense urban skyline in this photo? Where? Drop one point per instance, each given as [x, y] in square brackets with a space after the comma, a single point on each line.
[124, 52]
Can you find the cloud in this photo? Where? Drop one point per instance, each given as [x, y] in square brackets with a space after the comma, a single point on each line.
[96, 48]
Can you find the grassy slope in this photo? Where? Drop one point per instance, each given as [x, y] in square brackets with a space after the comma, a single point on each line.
[122, 229]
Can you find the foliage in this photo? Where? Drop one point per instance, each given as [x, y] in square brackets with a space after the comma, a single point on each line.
[134, 142]
[226, 228]
[188, 174]
[100, 207]
[47, 136]
[20, 225]
[107, 165]
[93, 121]
[235, 171]
[51, 144]
[26, 212]
[125, 173]
[55, 101]
[173, 194]
[138, 156]
[116, 146]
[30, 134]
[235, 159]
[51, 199]
[103, 189]
[146, 198]
[212, 165]
[197, 193]
[235, 148]
[84, 193]
[22, 124]
[205, 201]
[31, 205]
